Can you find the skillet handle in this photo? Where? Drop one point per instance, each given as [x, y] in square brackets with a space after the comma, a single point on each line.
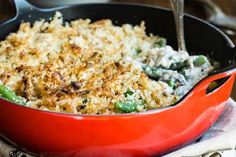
[208, 86]
[202, 89]
[22, 7]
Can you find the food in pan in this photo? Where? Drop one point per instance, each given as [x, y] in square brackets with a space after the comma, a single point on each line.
[94, 67]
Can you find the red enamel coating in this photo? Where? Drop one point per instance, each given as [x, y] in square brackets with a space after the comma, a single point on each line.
[144, 134]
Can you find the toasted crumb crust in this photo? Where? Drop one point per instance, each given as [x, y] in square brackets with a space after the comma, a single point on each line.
[78, 66]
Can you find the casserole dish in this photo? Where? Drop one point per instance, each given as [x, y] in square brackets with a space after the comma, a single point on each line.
[148, 133]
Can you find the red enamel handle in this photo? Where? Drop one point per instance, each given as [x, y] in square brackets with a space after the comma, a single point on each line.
[202, 86]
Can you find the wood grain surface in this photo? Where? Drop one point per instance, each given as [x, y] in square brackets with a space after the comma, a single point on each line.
[192, 7]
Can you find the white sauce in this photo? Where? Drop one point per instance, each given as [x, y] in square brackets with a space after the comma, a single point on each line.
[162, 58]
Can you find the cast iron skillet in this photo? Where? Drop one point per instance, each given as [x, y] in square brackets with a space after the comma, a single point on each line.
[140, 134]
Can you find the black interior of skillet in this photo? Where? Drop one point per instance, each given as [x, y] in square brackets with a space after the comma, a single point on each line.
[201, 38]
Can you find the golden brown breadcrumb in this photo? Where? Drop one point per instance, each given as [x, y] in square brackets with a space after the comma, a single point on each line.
[77, 66]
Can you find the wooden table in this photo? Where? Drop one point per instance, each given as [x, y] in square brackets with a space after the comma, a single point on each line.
[192, 7]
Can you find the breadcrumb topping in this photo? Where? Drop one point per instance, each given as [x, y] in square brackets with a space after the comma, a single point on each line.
[79, 66]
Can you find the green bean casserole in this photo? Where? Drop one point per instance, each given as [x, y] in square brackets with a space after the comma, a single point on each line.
[86, 67]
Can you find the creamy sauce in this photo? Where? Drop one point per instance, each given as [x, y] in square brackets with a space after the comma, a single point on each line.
[158, 63]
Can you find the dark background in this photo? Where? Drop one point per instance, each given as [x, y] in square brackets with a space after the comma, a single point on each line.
[192, 7]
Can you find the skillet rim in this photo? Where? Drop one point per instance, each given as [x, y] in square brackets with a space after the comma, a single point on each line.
[227, 69]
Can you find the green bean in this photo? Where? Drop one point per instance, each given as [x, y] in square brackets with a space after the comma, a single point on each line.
[179, 65]
[126, 107]
[128, 92]
[160, 42]
[85, 101]
[171, 83]
[10, 95]
[138, 50]
[199, 61]
[174, 102]
[153, 72]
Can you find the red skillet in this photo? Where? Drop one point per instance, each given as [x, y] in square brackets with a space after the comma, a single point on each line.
[142, 134]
